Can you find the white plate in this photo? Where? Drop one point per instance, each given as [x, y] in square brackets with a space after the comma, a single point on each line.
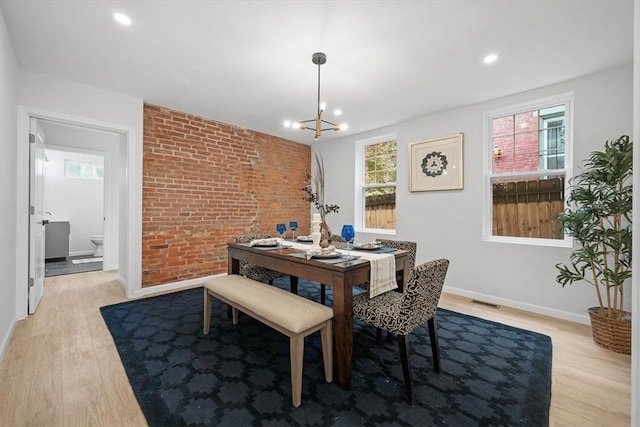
[327, 255]
[367, 247]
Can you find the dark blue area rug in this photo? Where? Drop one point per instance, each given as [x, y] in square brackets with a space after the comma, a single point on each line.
[492, 374]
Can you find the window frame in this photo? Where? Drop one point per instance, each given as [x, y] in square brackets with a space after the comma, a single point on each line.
[94, 166]
[545, 140]
[488, 176]
[360, 186]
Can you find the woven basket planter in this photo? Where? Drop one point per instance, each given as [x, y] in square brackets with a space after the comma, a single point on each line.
[614, 334]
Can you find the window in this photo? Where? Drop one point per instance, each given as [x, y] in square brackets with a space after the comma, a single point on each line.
[83, 170]
[527, 171]
[376, 184]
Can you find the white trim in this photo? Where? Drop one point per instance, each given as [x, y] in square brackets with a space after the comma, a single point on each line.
[175, 286]
[558, 314]
[359, 171]
[133, 208]
[487, 210]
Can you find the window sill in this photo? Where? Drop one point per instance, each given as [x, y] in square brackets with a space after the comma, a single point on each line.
[565, 243]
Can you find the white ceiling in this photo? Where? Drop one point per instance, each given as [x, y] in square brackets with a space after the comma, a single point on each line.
[248, 63]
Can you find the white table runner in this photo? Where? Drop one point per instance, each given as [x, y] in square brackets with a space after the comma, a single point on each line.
[382, 277]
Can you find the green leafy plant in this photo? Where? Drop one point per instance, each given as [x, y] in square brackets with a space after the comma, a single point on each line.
[598, 217]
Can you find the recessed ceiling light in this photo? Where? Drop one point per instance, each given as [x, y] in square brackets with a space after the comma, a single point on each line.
[122, 18]
[490, 59]
[337, 112]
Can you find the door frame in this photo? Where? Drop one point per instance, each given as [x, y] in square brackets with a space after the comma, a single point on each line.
[130, 252]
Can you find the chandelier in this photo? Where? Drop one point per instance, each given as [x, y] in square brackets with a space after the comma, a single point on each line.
[317, 58]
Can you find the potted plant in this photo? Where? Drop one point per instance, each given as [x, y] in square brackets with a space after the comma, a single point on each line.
[598, 217]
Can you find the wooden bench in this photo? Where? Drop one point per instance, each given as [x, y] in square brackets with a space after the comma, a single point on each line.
[285, 312]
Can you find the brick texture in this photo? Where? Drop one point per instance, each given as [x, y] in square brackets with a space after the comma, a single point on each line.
[205, 182]
[517, 139]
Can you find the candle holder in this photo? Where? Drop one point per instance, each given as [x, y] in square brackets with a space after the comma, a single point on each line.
[315, 230]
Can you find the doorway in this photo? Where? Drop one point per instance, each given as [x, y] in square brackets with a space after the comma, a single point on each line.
[124, 188]
[81, 202]
[74, 206]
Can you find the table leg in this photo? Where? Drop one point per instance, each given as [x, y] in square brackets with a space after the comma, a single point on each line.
[293, 284]
[343, 332]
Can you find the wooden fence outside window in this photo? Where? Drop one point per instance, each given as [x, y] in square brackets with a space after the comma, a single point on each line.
[528, 208]
[380, 212]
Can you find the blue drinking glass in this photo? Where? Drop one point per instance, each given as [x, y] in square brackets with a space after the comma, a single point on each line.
[348, 234]
[281, 228]
[293, 225]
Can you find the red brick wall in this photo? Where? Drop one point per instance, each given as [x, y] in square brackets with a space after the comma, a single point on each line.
[517, 139]
[204, 182]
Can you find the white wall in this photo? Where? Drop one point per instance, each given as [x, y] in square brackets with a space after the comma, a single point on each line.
[449, 223]
[50, 98]
[79, 201]
[8, 194]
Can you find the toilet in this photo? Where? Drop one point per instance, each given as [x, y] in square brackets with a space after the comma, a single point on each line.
[97, 240]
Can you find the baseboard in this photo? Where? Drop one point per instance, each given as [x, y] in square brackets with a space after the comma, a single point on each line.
[6, 340]
[558, 314]
[80, 253]
[175, 286]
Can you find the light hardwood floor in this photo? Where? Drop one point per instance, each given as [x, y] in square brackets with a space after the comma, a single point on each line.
[61, 367]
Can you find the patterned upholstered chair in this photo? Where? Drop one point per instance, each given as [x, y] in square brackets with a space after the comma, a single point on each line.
[401, 313]
[337, 238]
[405, 245]
[255, 272]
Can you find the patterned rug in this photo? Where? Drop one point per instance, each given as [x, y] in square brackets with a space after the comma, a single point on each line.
[239, 375]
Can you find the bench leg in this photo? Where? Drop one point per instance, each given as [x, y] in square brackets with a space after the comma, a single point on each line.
[207, 311]
[234, 315]
[296, 344]
[326, 334]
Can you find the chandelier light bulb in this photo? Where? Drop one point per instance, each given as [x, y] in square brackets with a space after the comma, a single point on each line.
[343, 126]
[295, 125]
[323, 106]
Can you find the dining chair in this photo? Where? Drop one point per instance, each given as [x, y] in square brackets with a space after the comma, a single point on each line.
[400, 313]
[256, 272]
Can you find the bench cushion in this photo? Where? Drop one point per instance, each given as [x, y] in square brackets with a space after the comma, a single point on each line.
[291, 312]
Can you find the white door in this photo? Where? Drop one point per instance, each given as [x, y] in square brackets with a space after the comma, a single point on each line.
[36, 215]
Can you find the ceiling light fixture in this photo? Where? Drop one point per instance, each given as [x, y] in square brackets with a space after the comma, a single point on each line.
[122, 18]
[317, 58]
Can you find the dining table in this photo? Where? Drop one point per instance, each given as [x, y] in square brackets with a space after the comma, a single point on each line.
[342, 276]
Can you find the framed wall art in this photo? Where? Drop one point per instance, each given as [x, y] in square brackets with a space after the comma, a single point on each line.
[436, 164]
